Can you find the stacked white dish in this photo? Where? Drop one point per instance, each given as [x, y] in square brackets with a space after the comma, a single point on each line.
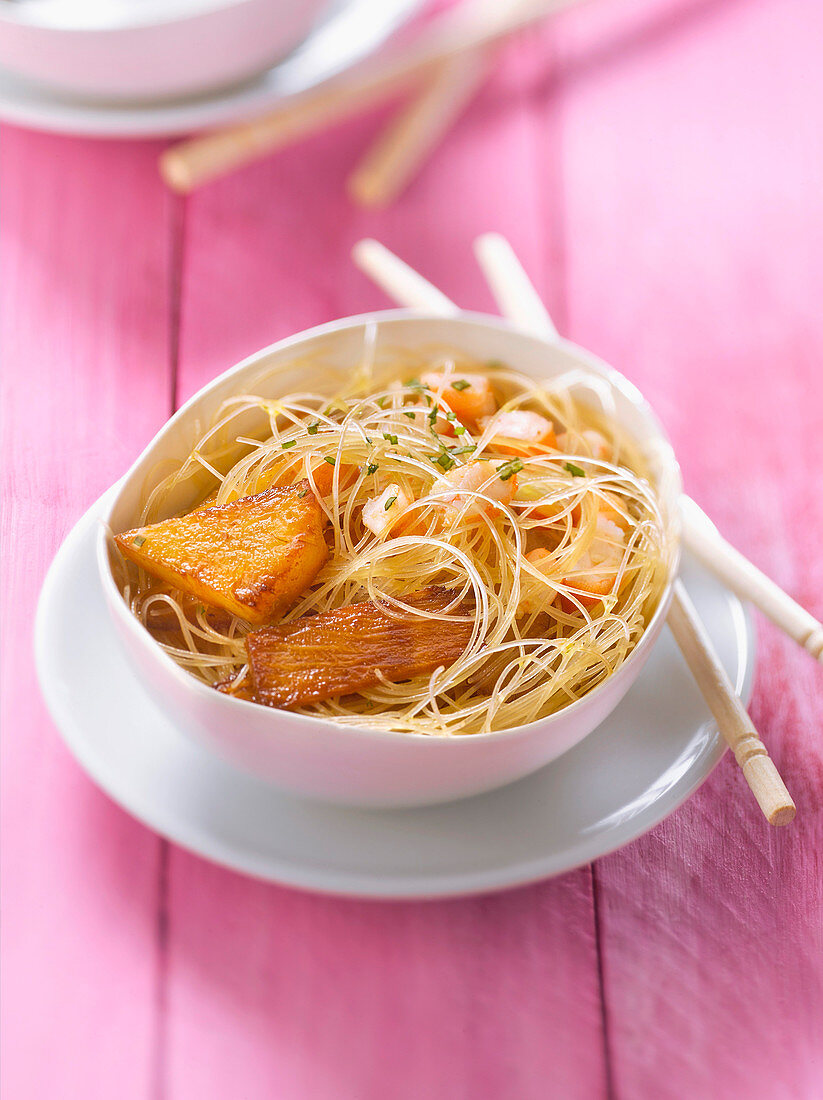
[143, 68]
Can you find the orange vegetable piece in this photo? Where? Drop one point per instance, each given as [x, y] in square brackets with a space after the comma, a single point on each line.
[253, 557]
[346, 650]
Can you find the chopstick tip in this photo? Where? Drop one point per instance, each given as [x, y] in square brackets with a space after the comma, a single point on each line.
[174, 171]
[783, 815]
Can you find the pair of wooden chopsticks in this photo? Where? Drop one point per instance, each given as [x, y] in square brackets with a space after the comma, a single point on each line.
[450, 58]
[518, 300]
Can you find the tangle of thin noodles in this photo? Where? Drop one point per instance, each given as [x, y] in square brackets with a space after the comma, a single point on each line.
[377, 429]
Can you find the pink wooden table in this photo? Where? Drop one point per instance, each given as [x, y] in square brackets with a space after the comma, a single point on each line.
[658, 166]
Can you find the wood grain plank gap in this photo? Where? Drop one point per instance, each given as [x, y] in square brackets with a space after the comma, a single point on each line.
[161, 977]
[84, 354]
[694, 225]
[177, 238]
[599, 935]
[176, 265]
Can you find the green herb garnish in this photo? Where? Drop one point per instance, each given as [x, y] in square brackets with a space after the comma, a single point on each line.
[389, 503]
[460, 384]
[575, 471]
[289, 443]
[138, 540]
[391, 438]
[467, 450]
[329, 459]
[371, 468]
[509, 469]
[433, 416]
[410, 415]
[459, 429]
[302, 493]
[312, 428]
[445, 461]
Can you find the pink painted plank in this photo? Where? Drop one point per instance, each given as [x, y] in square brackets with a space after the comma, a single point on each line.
[692, 164]
[85, 382]
[272, 993]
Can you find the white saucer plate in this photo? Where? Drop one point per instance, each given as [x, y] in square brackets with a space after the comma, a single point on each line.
[655, 749]
[350, 32]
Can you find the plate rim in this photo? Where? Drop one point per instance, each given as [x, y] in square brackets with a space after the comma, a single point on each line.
[353, 884]
[38, 108]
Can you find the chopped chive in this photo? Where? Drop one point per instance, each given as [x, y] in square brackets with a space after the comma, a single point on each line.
[467, 450]
[312, 428]
[389, 503]
[459, 429]
[575, 471]
[428, 399]
[381, 401]
[445, 461]
[460, 384]
[138, 540]
[433, 416]
[302, 493]
[371, 468]
[509, 469]
[368, 440]
[450, 416]
[391, 438]
[289, 443]
[410, 415]
[329, 459]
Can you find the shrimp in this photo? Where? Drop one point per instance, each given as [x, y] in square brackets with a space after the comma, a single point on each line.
[587, 443]
[596, 571]
[469, 396]
[538, 600]
[381, 513]
[520, 432]
[476, 477]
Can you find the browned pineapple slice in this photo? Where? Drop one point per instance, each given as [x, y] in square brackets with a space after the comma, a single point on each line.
[347, 650]
[253, 557]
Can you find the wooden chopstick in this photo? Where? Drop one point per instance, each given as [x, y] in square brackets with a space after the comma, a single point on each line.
[191, 163]
[518, 300]
[729, 713]
[410, 137]
[399, 281]
[513, 289]
[744, 579]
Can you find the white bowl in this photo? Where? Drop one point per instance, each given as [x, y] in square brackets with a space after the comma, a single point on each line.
[148, 49]
[318, 758]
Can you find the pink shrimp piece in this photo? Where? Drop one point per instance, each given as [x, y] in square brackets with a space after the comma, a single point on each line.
[535, 600]
[599, 565]
[381, 513]
[588, 443]
[521, 432]
[469, 396]
[472, 478]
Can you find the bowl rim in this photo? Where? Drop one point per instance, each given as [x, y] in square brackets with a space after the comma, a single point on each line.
[216, 699]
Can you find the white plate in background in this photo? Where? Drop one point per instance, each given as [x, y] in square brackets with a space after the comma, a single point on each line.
[654, 750]
[352, 30]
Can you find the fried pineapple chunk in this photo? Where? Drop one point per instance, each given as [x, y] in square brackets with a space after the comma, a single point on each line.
[253, 557]
[347, 650]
